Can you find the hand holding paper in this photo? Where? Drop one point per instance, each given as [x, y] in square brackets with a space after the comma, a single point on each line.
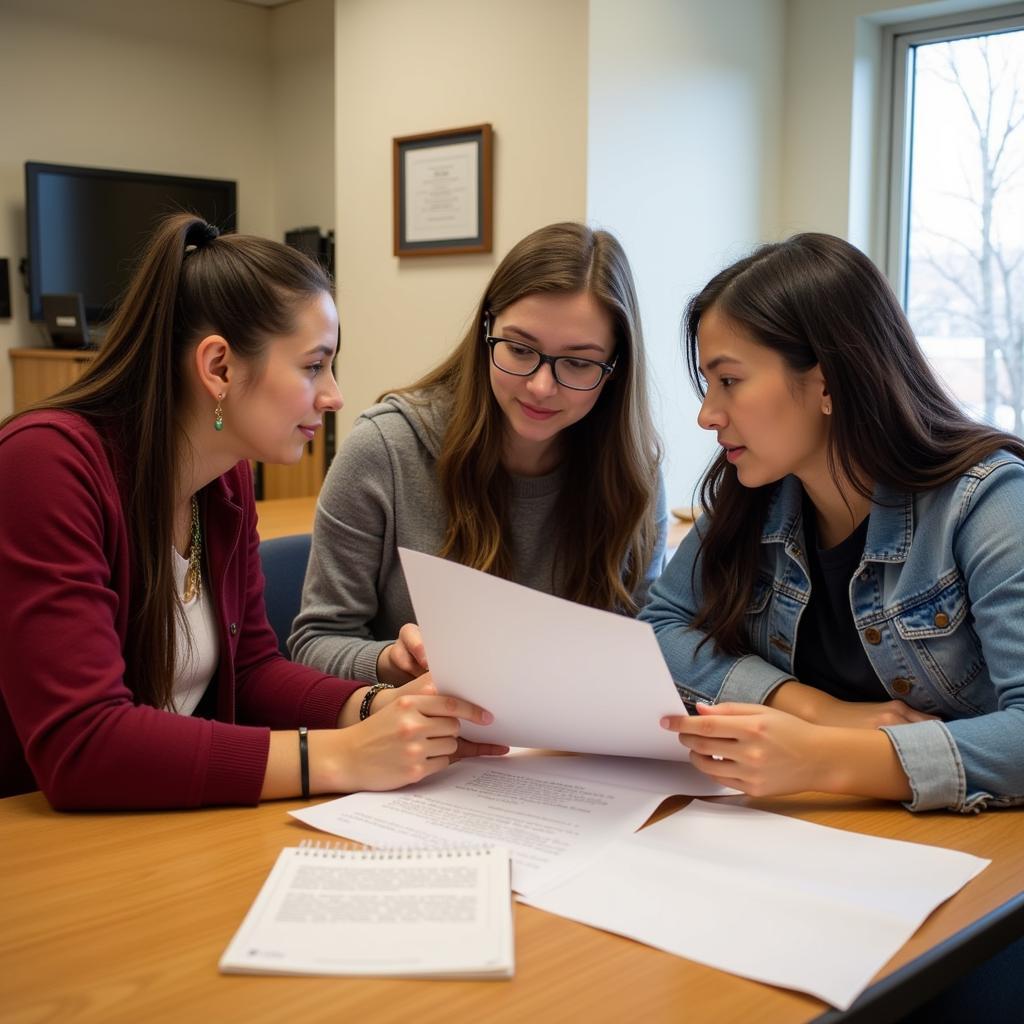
[554, 674]
[413, 733]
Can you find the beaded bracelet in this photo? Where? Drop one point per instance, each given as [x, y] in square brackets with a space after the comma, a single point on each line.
[364, 708]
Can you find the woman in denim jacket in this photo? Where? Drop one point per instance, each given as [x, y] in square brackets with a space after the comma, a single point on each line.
[848, 615]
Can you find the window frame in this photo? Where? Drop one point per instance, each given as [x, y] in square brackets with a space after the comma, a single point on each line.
[897, 117]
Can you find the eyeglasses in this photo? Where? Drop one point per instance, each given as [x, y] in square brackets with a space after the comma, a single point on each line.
[570, 371]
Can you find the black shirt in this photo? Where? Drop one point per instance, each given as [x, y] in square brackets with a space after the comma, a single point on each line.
[829, 652]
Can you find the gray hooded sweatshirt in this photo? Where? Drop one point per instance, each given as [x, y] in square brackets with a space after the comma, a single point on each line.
[382, 493]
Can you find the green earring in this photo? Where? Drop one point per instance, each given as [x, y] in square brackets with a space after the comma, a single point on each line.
[218, 415]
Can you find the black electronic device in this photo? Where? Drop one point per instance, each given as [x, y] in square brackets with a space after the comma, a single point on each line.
[65, 320]
[313, 243]
[5, 290]
[86, 227]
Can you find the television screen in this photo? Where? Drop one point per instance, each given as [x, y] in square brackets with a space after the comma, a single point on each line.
[86, 227]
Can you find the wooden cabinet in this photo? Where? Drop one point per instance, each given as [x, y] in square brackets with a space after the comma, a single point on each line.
[41, 372]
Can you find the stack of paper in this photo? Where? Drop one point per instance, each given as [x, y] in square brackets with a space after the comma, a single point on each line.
[757, 894]
[768, 897]
[552, 813]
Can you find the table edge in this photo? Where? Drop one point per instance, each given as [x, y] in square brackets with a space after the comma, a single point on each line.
[924, 977]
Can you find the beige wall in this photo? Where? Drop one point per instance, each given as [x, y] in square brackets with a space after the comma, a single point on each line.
[302, 114]
[209, 88]
[174, 86]
[404, 67]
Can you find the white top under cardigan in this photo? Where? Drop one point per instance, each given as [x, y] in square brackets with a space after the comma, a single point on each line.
[195, 649]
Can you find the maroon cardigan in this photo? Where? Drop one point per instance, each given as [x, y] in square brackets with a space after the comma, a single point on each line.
[68, 722]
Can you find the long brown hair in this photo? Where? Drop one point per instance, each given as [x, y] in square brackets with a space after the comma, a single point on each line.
[818, 301]
[606, 509]
[191, 282]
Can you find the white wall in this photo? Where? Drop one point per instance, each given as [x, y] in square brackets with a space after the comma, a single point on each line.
[683, 166]
[405, 67]
[175, 86]
[833, 63]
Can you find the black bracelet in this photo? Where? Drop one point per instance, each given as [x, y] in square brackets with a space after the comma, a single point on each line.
[304, 760]
[364, 708]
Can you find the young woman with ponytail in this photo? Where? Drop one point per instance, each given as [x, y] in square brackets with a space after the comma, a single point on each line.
[138, 669]
[528, 453]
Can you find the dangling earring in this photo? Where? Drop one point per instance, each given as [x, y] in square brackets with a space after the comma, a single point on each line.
[218, 414]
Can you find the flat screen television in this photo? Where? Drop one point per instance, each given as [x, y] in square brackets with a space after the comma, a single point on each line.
[86, 227]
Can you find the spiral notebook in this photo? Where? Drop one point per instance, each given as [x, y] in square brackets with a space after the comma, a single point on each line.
[425, 913]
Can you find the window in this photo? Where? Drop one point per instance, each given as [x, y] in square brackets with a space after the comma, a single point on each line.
[956, 206]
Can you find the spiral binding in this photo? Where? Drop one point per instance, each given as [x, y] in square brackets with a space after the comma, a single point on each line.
[346, 849]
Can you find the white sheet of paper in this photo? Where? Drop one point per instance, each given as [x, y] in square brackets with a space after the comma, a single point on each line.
[441, 192]
[552, 824]
[555, 675]
[768, 897]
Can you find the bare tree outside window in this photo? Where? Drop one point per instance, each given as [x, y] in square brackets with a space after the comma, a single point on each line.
[965, 262]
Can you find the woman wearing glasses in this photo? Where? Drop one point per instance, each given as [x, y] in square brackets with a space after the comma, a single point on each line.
[528, 453]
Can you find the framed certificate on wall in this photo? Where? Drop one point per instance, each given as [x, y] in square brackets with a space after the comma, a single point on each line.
[443, 192]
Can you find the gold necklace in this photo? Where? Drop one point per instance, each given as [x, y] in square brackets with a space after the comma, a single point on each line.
[194, 574]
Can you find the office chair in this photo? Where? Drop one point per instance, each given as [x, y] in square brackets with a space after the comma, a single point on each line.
[284, 567]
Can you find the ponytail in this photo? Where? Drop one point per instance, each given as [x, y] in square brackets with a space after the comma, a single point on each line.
[191, 281]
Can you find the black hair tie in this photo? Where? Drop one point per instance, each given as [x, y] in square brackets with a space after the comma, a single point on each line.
[199, 235]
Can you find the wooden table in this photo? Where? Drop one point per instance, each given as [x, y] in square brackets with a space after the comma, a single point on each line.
[123, 917]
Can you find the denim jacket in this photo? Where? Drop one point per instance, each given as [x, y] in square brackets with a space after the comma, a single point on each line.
[938, 600]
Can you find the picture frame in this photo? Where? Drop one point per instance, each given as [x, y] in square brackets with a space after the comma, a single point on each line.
[443, 192]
